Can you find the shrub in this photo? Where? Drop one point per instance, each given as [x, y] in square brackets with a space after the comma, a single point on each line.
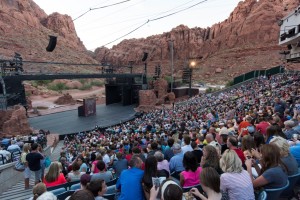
[58, 87]
[97, 83]
[41, 82]
[86, 86]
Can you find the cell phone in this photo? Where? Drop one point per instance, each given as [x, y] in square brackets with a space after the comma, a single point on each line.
[155, 182]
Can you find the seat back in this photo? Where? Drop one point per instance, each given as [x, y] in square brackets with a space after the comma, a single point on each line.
[176, 175]
[109, 196]
[262, 195]
[65, 186]
[275, 193]
[112, 182]
[75, 186]
[58, 191]
[65, 194]
[289, 191]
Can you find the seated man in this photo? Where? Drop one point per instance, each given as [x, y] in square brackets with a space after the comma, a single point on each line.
[6, 155]
[130, 181]
[13, 147]
[176, 164]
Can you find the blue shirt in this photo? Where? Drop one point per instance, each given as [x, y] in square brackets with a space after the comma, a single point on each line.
[295, 151]
[130, 183]
[176, 163]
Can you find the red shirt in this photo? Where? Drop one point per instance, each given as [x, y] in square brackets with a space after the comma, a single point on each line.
[60, 180]
[240, 155]
[244, 124]
[262, 127]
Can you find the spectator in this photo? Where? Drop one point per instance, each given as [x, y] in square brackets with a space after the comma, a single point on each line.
[190, 176]
[232, 144]
[38, 190]
[162, 164]
[81, 161]
[84, 180]
[247, 146]
[120, 165]
[170, 190]
[279, 107]
[34, 162]
[197, 152]
[235, 180]
[94, 163]
[272, 175]
[176, 164]
[13, 147]
[187, 144]
[154, 148]
[150, 172]
[242, 130]
[27, 172]
[210, 182]
[131, 178]
[289, 131]
[6, 154]
[102, 174]
[262, 126]
[210, 158]
[82, 194]
[54, 176]
[75, 174]
[286, 157]
[168, 151]
[98, 188]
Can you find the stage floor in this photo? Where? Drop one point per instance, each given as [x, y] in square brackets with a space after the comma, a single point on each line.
[69, 121]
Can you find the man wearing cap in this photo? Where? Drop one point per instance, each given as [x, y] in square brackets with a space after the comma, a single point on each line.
[176, 164]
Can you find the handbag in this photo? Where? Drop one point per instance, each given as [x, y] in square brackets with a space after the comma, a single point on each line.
[47, 162]
[19, 166]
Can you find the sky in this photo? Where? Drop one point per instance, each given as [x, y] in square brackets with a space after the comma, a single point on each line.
[100, 27]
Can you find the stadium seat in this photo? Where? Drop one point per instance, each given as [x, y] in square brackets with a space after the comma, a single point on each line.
[262, 195]
[187, 189]
[109, 196]
[175, 175]
[75, 186]
[289, 191]
[273, 194]
[58, 191]
[112, 182]
[64, 195]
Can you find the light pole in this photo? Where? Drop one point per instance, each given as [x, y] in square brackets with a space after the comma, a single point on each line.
[192, 65]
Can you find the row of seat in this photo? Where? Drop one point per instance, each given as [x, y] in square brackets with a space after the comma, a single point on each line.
[15, 155]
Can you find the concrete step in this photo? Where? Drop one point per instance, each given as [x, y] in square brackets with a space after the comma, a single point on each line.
[17, 192]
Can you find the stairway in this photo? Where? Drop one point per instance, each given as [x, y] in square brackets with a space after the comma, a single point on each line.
[18, 192]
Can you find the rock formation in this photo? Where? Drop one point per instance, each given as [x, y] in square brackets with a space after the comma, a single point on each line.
[14, 121]
[246, 40]
[65, 99]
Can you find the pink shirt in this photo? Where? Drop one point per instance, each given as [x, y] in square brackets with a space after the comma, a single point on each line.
[96, 170]
[191, 178]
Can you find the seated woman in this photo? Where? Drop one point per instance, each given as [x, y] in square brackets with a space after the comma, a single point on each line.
[83, 167]
[210, 182]
[272, 174]
[190, 176]
[286, 157]
[235, 180]
[54, 176]
[94, 169]
[38, 190]
[75, 175]
[210, 158]
[151, 172]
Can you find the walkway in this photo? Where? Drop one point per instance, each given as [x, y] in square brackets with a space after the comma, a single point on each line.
[17, 192]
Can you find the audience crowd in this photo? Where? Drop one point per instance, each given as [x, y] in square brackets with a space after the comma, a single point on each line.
[226, 145]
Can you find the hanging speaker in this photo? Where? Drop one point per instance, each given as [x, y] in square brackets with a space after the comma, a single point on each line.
[52, 43]
[145, 56]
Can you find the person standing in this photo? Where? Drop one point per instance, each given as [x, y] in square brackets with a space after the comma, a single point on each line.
[34, 162]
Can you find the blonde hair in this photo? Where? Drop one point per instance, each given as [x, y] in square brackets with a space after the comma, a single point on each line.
[282, 144]
[26, 147]
[53, 173]
[230, 162]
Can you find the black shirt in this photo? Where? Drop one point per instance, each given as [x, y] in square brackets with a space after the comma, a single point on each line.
[33, 160]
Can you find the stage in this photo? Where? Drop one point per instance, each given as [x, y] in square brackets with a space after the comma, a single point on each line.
[69, 121]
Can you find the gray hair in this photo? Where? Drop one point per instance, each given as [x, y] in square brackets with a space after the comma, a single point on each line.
[159, 156]
[289, 123]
